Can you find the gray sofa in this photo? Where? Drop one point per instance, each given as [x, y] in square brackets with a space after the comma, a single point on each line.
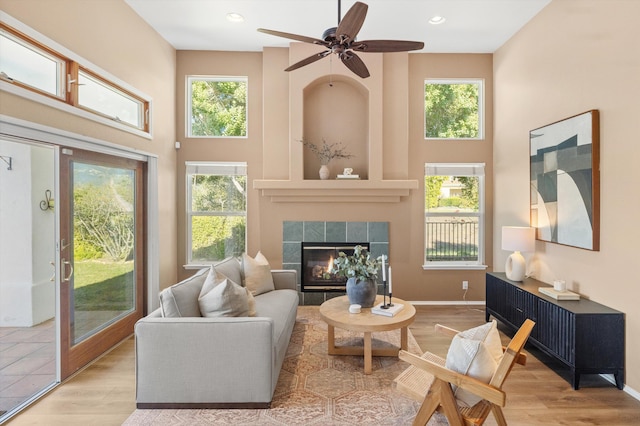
[224, 362]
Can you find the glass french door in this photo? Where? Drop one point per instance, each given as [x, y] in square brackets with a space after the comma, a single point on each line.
[101, 253]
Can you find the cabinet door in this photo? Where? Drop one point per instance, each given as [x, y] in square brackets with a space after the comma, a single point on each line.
[523, 305]
[557, 330]
[495, 299]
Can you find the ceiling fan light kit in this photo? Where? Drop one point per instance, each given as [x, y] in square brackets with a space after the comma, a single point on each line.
[341, 40]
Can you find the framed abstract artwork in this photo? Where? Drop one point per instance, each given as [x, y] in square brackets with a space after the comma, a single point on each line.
[565, 181]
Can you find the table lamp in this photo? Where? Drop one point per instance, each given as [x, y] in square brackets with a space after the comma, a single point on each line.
[517, 239]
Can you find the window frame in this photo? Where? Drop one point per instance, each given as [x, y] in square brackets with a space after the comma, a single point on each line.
[481, 106]
[73, 64]
[191, 168]
[189, 105]
[458, 169]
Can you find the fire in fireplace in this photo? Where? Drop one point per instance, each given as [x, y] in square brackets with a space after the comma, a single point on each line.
[318, 273]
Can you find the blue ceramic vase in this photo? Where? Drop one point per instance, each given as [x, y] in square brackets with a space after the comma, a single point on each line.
[362, 293]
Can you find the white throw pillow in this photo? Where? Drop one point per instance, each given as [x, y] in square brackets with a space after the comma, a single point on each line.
[257, 274]
[221, 297]
[476, 353]
[181, 300]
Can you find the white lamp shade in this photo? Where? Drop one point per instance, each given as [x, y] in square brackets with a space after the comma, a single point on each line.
[518, 238]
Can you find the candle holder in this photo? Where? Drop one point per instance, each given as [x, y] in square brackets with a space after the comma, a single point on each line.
[385, 305]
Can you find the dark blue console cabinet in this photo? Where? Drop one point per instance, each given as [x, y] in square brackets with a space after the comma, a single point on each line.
[586, 336]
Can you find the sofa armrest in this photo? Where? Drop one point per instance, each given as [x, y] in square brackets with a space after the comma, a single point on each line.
[204, 360]
[285, 279]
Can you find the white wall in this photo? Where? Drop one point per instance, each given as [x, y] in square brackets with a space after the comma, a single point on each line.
[27, 297]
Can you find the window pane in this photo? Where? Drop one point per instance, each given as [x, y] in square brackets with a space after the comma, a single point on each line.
[218, 107]
[445, 194]
[452, 110]
[452, 238]
[210, 193]
[217, 237]
[30, 66]
[106, 99]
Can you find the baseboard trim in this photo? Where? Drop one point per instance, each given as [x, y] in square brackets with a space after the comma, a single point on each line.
[447, 302]
[627, 389]
[202, 405]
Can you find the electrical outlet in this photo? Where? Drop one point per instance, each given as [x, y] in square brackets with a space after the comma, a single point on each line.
[465, 285]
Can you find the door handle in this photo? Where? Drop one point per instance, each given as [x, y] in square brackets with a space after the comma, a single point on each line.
[68, 277]
[63, 246]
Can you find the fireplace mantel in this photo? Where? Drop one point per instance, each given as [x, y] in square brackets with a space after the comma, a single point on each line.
[313, 191]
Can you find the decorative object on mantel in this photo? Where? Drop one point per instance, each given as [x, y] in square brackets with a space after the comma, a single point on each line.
[517, 239]
[348, 174]
[341, 40]
[565, 181]
[361, 271]
[325, 153]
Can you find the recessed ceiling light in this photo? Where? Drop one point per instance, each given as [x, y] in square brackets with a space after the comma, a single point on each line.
[437, 20]
[235, 17]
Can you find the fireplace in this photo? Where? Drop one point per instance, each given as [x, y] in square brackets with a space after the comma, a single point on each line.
[317, 272]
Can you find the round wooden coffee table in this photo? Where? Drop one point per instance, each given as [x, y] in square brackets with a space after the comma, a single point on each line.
[335, 312]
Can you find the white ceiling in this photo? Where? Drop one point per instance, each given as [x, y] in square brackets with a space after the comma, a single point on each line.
[472, 26]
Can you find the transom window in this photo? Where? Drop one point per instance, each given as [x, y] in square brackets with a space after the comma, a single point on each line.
[52, 75]
[217, 106]
[216, 210]
[453, 109]
[30, 65]
[454, 216]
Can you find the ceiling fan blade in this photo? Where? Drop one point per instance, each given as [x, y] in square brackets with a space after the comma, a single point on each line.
[294, 36]
[311, 59]
[375, 46]
[355, 64]
[352, 21]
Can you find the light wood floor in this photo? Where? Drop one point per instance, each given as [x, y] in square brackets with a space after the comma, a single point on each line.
[104, 393]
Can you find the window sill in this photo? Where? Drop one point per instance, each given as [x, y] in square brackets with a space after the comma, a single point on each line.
[194, 266]
[454, 267]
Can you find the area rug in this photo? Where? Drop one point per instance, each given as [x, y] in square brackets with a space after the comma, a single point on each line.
[315, 388]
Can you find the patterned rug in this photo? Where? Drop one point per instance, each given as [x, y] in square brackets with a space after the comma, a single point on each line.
[315, 388]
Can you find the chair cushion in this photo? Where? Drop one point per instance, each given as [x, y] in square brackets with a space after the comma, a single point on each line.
[181, 300]
[221, 297]
[476, 353]
[257, 274]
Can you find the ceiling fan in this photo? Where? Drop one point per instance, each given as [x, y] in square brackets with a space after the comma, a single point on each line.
[341, 40]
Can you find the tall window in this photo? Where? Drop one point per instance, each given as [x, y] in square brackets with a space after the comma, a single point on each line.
[217, 106]
[454, 216]
[216, 211]
[453, 109]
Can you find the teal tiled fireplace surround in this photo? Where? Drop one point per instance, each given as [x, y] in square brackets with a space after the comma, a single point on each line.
[296, 232]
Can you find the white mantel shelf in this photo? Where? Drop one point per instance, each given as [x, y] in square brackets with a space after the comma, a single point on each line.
[338, 191]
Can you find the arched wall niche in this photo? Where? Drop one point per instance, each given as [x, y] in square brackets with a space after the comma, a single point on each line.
[336, 109]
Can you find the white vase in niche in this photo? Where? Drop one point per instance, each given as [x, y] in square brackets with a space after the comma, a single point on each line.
[324, 172]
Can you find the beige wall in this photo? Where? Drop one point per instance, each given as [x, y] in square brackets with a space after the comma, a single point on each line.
[272, 152]
[577, 55]
[112, 36]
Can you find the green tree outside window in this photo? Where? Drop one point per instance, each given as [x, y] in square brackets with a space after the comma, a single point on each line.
[452, 110]
[218, 107]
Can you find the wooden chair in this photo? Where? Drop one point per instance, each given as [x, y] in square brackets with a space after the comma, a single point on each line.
[429, 380]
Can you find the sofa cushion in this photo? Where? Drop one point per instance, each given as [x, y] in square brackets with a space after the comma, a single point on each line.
[475, 352]
[181, 300]
[257, 274]
[221, 297]
[230, 268]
